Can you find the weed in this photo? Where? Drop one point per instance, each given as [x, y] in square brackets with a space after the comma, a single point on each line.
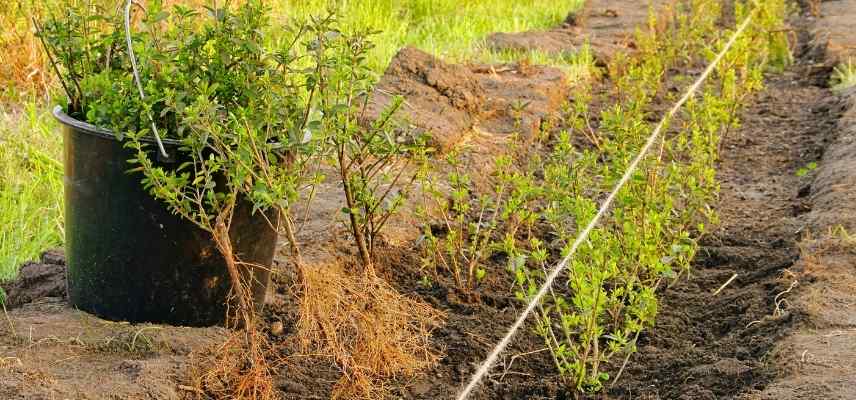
[846, 237]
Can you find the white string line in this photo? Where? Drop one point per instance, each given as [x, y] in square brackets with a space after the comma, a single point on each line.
[500, 347]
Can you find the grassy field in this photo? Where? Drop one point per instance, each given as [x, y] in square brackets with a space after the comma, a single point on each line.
[452, 29]
[30, 141]
[30, 185]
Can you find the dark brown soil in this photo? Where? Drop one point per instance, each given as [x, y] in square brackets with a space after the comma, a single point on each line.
[37, 280]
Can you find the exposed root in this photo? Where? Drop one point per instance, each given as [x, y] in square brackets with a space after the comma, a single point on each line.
[237, 369]
[372, 332]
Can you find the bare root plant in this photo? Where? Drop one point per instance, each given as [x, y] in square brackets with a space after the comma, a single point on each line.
[378, 161]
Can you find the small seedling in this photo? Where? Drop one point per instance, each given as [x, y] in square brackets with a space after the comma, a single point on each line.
[803, 171]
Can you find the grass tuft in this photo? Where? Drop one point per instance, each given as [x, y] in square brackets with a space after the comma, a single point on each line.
[844, 76]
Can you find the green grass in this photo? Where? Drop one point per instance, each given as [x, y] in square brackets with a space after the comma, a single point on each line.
[30, 141]
[30, 186]
[452, 29]
[578, 67]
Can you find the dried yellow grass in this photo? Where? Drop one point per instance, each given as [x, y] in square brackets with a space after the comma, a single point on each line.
[23, 65]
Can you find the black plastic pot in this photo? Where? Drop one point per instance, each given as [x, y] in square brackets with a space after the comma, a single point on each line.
[129, 258]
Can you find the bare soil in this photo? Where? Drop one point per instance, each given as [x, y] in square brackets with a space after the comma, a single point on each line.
[50, 351]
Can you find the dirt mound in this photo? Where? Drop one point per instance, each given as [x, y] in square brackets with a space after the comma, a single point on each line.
[837, 26]
[834, 188]
[559, 42]
[441, 98]
[519, 97]
[609, 27]
[818, 360]
[616, 21]
[37, 280]
[450, 101]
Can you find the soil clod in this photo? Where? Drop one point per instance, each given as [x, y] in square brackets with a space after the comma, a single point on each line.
[38, 280]
[450, 102]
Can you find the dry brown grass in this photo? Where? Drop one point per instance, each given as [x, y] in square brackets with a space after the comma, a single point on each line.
[23, 65]
[371, 331]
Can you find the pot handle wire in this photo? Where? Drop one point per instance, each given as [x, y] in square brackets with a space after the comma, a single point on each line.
[133, 58]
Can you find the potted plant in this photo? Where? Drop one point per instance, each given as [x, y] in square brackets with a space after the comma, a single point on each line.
[188, 135]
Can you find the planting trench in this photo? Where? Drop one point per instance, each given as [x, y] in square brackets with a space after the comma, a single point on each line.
[760, 337]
